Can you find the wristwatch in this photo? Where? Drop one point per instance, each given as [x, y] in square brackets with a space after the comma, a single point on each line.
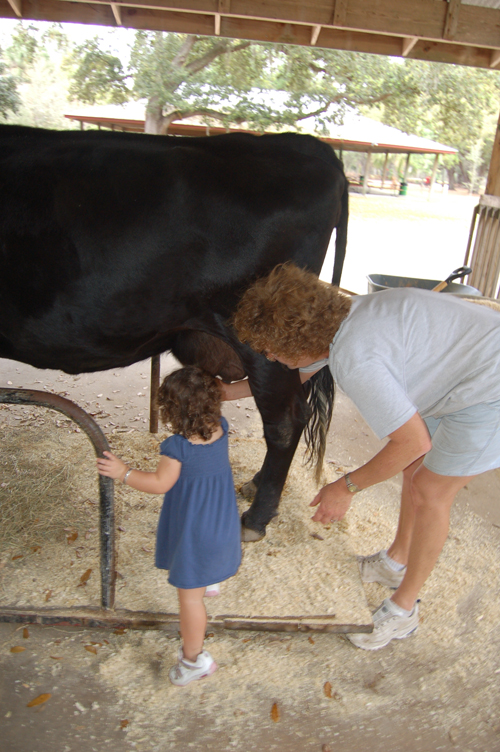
[352, 487]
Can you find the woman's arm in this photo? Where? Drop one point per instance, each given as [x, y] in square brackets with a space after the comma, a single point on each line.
[405, 445]
[235, 390]
[241, 389]
[157, 482]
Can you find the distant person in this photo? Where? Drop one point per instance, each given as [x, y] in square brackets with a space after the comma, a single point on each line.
[423, 370]
[199, 533]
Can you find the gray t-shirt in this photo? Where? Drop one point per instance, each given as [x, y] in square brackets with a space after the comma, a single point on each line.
[406, 350]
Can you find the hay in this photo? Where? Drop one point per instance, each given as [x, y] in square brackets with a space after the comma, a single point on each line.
[45, 484]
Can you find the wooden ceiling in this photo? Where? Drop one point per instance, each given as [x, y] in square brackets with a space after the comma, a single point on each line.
[448, 31]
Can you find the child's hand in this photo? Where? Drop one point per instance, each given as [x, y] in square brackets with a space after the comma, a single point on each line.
[112, 466]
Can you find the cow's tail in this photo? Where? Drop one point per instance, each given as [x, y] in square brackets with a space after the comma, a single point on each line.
[320, 398]
[341, 238]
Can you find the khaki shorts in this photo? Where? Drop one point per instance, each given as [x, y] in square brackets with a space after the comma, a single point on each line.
[466, 442]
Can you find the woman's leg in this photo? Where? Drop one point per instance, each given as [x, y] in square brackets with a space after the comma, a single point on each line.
[193, 621]
[432, 496]
[400, 547]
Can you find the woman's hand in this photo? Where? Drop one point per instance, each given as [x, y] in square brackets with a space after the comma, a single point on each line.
[332, 501]
[111, 466]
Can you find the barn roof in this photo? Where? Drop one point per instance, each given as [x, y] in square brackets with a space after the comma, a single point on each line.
[358, 133]
[465, 32]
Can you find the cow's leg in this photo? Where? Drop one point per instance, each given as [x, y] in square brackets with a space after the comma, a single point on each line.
[284, 410]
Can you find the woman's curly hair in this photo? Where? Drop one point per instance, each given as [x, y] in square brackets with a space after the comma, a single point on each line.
[291, 313]
[190, 402]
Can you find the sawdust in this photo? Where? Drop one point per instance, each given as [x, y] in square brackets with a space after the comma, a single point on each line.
[453, 655]
[295, 571]
[450, 668]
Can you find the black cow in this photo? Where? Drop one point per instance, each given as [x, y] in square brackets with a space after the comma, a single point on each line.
[116, 247]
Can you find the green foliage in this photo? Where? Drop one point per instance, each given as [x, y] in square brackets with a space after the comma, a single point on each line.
[9, 97]
[455, 105]
[36, 61]
[23, 50]
[98, 76]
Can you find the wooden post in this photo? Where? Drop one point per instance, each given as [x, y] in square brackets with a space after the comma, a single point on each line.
[433, 176]
[155, 386]
[384, 171]
[367, 172]
[407, 168]
[485, 261]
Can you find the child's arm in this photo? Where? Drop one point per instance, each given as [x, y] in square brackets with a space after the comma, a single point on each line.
[157, 482]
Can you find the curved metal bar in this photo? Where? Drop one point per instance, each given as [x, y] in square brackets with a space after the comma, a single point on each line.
[106, 489]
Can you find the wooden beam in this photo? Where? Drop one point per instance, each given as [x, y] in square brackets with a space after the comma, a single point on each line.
[217, 24]
[495, 58]
[116, 12]
[340, 12]
[425, 19]
[315, 34]
[451, 21]
[17, 7]
[407, 45]
[371, 28]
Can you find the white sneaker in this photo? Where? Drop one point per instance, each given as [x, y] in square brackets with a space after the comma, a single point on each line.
[374, 568]
[388, 624]
[187, 671]
[212, 590]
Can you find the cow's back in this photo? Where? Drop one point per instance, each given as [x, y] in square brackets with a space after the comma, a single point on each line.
[110, 241]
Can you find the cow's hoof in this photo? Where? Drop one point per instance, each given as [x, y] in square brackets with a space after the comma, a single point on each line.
[250, 536]
[248, 490]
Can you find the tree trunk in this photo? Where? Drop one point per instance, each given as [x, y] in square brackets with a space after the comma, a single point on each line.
[451, 177]
[154, 117]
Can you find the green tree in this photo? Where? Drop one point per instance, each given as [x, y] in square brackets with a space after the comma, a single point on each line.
[23, 49]
[9, 97]
[37, 59]
[98, 76]
[181, 76]
[455, 105]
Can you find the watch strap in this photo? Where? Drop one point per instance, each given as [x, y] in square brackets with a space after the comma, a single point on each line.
[352, 487]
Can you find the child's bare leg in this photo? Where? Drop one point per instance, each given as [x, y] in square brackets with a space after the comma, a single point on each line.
[193, 621]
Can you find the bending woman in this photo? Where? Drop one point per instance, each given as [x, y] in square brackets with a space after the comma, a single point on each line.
[423, 370]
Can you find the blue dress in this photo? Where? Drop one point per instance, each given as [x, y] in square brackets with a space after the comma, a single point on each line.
[199, 533]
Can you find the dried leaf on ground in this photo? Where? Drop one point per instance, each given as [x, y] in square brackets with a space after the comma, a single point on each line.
[275, 712]
[17, 649]
[85, 577]
[39, 700]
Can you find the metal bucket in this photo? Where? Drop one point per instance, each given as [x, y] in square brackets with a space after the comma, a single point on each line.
[377, 282]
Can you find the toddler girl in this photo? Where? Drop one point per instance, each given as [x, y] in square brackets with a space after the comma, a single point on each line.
[198, 536]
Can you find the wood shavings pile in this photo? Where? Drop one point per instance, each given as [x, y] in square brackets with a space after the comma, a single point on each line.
[448, 673]
[300, 569]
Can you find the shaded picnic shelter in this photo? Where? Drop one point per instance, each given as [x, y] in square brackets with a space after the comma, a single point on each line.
[356, 134]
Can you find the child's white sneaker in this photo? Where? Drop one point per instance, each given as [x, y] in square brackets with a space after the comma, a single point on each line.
[187, 671]
[212, 590]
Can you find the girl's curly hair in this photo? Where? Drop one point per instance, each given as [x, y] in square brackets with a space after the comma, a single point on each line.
[291, 313]
[190, 402]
